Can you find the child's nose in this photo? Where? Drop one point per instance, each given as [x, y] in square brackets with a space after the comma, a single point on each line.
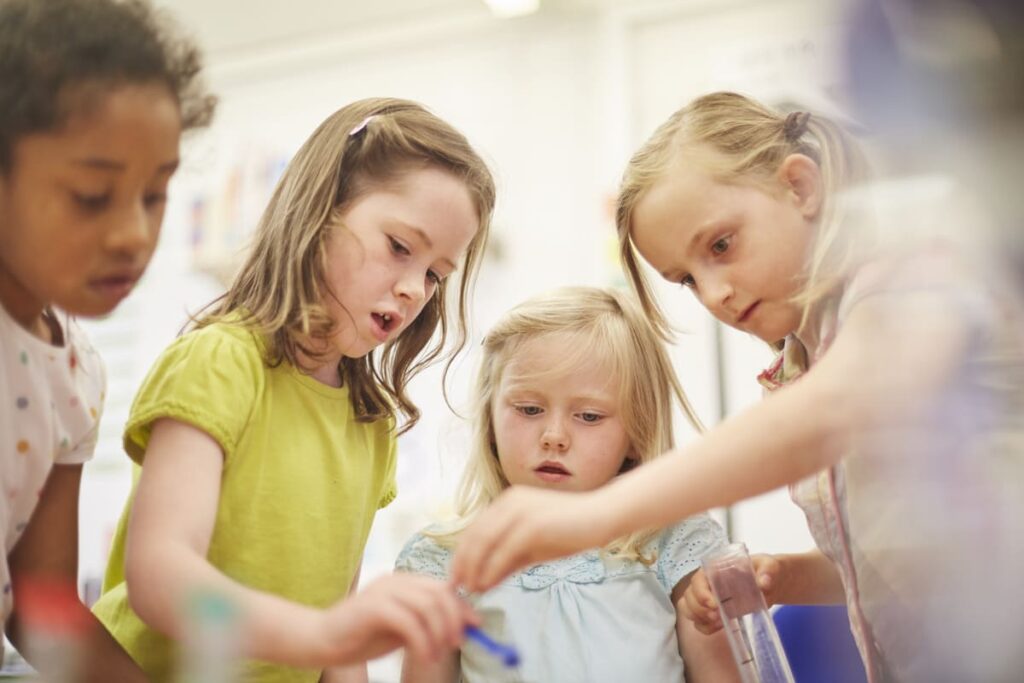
[411, 286]
[715, 293]
[555, 435]
[131, 230]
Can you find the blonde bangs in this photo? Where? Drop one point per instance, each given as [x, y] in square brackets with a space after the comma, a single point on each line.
[603, 326]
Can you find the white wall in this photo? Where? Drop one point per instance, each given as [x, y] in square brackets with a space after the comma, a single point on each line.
[556, 102]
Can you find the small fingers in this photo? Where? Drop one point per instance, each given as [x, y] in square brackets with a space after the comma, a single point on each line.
[701, 588]
[482, 548]
[700, 604]
[467, 616]
[399, 619]
[767, 569]
[474, 546]
[438, 608]
[513, 552]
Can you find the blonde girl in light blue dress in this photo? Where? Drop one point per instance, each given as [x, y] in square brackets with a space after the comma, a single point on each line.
[574, 388]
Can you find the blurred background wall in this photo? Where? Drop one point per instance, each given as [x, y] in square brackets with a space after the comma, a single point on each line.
[555, 99]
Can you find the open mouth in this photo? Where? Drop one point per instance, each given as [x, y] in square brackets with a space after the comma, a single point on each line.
[550, 471]
[384, 324]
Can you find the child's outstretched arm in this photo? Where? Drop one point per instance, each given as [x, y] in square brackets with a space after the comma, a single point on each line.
[799, 579]
[793, 433]
[48, 551]
[169, 533]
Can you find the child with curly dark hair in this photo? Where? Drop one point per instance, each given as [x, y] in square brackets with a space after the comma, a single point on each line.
[94, 96]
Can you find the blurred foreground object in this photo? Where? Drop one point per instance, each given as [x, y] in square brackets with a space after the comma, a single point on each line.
[939, 85]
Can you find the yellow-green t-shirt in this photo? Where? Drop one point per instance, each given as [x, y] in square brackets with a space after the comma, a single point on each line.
[301, 483]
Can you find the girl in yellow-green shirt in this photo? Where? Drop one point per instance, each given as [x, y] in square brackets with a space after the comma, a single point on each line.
[266, 434]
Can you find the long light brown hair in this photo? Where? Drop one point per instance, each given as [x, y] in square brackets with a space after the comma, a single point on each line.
[280, 288]
[747, 142]
[608, 328]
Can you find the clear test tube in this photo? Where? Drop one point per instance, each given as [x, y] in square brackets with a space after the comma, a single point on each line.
[748, 623]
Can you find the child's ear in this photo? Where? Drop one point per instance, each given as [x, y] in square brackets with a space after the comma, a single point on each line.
[801, 179]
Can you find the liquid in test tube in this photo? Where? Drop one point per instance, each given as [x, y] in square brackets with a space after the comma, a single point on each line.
[748, 623]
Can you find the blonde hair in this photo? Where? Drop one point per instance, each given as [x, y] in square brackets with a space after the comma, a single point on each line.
[279, 289]
[748, 143]
[609, 326]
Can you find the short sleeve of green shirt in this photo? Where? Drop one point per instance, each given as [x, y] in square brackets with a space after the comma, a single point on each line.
[301, 482]
[209, 379]
[391, 487]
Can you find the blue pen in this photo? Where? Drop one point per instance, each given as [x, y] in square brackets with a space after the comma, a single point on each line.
[506, 653]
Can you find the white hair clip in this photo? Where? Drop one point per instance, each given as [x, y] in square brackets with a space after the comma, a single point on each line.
[361, 127]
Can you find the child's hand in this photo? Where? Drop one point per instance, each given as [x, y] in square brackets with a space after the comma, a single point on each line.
[422, 614]
[699, 604]
[525, 526]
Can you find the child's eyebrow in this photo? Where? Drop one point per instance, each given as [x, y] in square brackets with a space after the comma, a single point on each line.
[710, 226]
[697, 237]
[672, 274]
[111, 165]
[519, 388]
[425, 239]
[601, 401]
[598, 400]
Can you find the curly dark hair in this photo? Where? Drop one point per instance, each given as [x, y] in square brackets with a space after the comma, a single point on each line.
[53, 51]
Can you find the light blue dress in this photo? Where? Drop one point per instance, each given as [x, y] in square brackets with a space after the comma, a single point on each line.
[582, 619]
